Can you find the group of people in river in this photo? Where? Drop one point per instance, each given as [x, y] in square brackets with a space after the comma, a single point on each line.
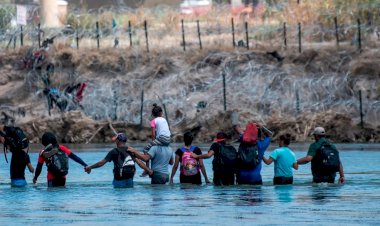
[230, 165]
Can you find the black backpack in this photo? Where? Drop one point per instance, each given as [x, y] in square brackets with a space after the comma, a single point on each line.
[16, 139]
[58, 163]
[328, 159]
[227, 157]
[248, 155]
[125, 168]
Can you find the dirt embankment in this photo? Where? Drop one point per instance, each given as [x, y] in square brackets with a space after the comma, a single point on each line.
[190, 86]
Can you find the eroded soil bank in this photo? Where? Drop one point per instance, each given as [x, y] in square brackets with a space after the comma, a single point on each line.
[293, 94]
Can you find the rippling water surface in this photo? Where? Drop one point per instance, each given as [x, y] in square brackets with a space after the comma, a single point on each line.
[91, 199]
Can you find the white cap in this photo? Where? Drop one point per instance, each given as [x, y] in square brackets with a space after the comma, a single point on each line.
[318, 131]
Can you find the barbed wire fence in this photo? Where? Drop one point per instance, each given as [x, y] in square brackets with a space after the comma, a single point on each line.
[276, 28]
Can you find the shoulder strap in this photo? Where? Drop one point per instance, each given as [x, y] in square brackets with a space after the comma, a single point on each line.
[184, 149]
[124, 151]
[192, 148]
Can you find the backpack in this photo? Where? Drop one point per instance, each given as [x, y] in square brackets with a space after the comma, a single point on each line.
[189, 165]
[16, 139]
[250, 134]
[248, 156]
[125, 167]
[227, 158]
[328, 158]
[58, 160]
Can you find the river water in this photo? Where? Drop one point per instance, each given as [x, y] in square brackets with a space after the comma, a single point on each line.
[90, 199]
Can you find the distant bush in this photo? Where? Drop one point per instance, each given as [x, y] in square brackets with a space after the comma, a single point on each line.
[6, 15]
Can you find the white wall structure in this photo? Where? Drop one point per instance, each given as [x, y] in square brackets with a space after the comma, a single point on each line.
[50, 13]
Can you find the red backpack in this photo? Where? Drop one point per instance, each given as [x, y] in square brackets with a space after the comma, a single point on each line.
[250, 134]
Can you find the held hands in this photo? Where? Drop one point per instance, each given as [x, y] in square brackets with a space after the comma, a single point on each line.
[87, 169]
[34, 180]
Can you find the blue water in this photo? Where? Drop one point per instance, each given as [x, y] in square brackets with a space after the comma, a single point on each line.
[90, 199]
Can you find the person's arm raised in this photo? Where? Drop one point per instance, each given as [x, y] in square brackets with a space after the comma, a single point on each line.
[139, 155]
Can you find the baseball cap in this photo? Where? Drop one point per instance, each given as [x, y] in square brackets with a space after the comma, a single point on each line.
[120, 137]
[319, 131]
[220, 137]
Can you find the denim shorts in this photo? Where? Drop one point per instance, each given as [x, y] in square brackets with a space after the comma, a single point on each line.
[18, 183]
[127, 183]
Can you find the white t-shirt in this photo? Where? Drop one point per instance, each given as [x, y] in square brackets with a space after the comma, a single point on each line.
[161, 126]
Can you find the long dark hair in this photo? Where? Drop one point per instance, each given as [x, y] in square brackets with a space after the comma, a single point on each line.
[156, 110]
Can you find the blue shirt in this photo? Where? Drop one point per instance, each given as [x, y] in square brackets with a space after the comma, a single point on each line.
[283, 161]
[254, 175]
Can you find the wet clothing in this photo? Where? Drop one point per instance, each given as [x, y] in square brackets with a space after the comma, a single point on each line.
[125, 183]
[41, 160]
[284, 158]
[159, 178]
[318, 177]
[57, 182]
[113, 156]
[253, 176]
[19, 161]
[222, 175]
[160, 158]
[282, 180]
[18, 182]
[54, 181]
[195, 179]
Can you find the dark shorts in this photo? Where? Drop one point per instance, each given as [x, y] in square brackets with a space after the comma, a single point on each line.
[223, 177]
[57, 182]
[324, 179]
[159, 178]
[196, 179]
[282, 180]
[250, 182]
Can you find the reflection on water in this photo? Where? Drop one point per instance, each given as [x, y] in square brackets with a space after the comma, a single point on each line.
[91, 199]
[284, 193]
